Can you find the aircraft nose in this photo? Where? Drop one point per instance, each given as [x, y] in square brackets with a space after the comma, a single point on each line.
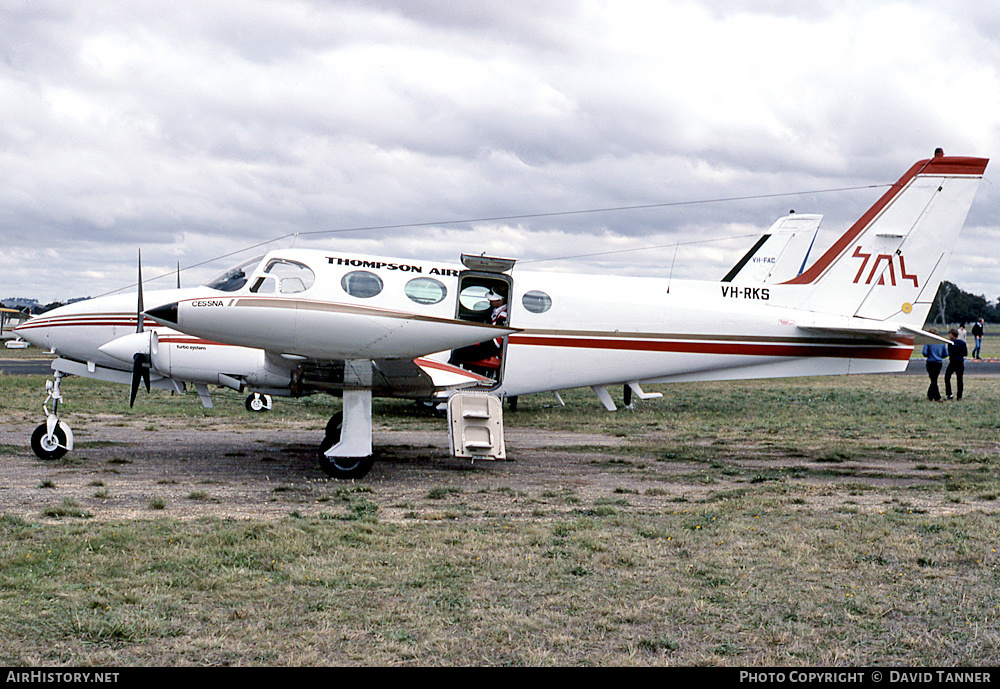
[166, 314]
[34, 332]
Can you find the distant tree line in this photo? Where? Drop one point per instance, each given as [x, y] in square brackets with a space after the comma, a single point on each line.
[953, 305]
[34, 309]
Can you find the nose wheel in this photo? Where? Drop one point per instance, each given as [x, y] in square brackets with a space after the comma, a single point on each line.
[48, 445]
[52, 439]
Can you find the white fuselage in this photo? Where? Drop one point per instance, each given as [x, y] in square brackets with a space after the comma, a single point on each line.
[568, 330]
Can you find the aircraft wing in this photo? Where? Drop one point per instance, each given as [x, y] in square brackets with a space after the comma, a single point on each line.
[111, 375]
[318, 330]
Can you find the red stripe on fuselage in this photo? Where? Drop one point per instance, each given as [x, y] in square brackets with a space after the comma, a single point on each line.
[190, 339]
[125, 322]
[731, 348]
[97, 320]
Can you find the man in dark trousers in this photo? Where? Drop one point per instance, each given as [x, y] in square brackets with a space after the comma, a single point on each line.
[957, 351]
[935, 354]
[977, 332]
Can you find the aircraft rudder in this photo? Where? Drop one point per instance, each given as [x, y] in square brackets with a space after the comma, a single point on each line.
[893, 256]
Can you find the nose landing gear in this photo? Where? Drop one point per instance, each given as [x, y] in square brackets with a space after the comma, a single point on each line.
[52, 439]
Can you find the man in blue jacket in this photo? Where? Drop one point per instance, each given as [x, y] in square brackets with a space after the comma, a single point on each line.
[935, 354]
[957, 351]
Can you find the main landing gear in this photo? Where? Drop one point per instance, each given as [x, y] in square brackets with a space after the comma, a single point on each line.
[52, 439]
[346, 450]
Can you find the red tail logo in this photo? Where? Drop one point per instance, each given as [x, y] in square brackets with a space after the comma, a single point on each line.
[890, 260]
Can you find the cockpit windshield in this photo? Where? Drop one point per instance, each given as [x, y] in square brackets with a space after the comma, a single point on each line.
[234, 278]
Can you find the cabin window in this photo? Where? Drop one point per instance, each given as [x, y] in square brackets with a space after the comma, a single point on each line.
[536, 301]
[293, 277]
[425, 290]
[361, 284]
[234, 278]
[286, 277]
[265, 284]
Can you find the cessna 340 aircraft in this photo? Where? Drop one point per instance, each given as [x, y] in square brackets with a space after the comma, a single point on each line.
[97, 338]
[353, 325]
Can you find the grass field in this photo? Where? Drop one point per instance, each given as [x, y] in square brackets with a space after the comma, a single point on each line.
[839, 521]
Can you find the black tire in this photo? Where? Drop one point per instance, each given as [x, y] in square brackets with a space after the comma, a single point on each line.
[344, 468]
[333, 427]
[255, 403]
[431, 407]
[48, 447]
[341, 467]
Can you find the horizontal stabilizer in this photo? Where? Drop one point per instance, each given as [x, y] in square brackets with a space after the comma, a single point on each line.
[922, 337]
[878, 329]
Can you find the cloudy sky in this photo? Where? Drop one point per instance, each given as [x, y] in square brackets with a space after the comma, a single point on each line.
[198, 130]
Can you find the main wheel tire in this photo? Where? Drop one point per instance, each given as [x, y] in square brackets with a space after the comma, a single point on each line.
[433, 407]
[47, 446]
[341, 467]
[333, 428]
[344, 468]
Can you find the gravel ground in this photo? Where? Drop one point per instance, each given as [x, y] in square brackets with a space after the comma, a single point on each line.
[126, 469]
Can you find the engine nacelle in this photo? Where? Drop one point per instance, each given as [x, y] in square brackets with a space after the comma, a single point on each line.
[198, 361]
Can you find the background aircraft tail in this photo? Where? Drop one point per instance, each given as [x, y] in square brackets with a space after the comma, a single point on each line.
[781, 253]
[889, 264]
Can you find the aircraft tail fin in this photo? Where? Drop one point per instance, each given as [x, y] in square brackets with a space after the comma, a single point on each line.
[889, 264]
[781, 253]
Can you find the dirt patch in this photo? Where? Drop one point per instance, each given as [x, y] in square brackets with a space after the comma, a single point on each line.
[124, 469]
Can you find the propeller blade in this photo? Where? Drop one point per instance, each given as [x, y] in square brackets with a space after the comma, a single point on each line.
[139, 309]
[140, 372]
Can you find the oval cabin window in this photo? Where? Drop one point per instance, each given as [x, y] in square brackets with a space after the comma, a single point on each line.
[536, 301]
[425, 290]
[361, 284]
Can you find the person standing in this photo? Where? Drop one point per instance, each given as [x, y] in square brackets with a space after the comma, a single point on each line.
[935, 354]
[977, 333]
[957, 351]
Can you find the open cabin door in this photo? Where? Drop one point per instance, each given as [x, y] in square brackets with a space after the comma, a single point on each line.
[484, 292]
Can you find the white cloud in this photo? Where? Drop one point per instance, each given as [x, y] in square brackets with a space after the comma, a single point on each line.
[195, 130]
